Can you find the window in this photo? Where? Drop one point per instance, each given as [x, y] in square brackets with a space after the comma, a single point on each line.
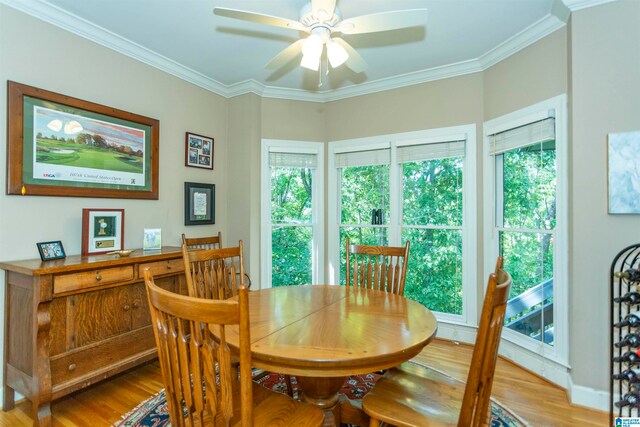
[432, 206]
[291, 196]
[414, 187]
[526, 157]
[363, 187]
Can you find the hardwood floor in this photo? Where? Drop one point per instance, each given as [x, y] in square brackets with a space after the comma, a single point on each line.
[538, 402]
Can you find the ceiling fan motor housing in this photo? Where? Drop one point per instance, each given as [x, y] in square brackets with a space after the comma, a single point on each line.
[323, 18]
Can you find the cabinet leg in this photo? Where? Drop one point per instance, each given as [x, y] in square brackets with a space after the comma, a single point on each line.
[42, 414]
[8, 401]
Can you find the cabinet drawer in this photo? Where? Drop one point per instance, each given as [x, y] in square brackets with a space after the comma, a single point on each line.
[88, 279]
[162, 267]
[100, 358]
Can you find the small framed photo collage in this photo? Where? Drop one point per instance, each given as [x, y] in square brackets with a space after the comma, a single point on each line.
[198, 151]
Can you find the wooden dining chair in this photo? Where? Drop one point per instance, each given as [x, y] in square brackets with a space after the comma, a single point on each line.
[196, 364]
[208, 242]
[377, 267]
[414, 395]
[213, 273]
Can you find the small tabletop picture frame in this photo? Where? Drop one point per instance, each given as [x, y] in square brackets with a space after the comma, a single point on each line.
[199, 203]
[102, 231]
[198, 151]
[152, 239]
[51, 250]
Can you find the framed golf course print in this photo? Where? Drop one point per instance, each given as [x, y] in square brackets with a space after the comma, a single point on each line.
[63, 146]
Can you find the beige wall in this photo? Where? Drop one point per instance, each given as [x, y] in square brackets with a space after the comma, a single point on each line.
[243, 165]
[40, 57]
[442, 103]
[605, 99]
[50, 58]
[532, 75]
[293, 120]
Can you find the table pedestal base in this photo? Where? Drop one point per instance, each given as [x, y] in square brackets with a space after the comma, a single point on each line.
[323, 393]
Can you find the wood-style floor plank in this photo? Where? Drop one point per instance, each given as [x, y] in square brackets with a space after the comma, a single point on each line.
[537, 401]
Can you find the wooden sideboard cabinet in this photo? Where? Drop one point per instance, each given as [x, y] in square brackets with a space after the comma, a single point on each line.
[72, 322]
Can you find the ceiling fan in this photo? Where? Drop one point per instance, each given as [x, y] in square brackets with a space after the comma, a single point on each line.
[321, 19]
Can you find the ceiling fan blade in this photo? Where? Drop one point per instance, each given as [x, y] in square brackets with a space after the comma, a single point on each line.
[260, 18]
[328, 6]
[285, 55]
[383, 21]
[355, 61]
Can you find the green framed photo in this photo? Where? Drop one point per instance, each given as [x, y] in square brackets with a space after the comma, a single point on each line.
[64, 146]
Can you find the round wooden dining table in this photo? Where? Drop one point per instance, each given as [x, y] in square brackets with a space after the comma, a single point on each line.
[324, 333]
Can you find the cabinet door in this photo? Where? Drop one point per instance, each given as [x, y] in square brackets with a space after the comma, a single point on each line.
[95, 316]
[140, 315]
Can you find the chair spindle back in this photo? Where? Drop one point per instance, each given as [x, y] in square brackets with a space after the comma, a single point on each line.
[377, 267]
[196, 365]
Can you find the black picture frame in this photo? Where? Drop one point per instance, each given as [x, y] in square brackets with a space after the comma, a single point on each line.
[198, 151]
[51, 250]
[199, 203]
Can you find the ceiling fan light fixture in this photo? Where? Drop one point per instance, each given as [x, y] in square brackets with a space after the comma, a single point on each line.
[312, 46]
[337, 54]
[311, 52]
[310, 62]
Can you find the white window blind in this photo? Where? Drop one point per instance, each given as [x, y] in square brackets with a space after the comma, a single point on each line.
[441, 150]
[522, 136]
[363, 158]
[293, 160]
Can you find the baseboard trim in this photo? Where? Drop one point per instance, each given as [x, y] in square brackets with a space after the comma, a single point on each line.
[588, 397]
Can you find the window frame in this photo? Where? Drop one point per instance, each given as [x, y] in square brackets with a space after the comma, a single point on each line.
[523, 350]
[469, 207]
[317, 206]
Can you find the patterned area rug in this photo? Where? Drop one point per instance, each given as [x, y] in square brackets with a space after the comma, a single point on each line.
[153, 411]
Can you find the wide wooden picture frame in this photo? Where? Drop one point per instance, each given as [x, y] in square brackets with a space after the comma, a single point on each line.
[64, 146]
[198, 151]
[199, 203]
[102, 231]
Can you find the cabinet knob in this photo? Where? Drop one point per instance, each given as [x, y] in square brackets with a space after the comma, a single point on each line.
[126, 307]
[135, 305]
[98, 276]
[168, 265]
[72, 367]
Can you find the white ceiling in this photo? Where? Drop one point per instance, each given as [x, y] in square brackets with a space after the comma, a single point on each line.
[228, 56]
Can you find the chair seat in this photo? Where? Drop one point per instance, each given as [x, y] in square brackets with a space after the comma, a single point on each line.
[414, 395]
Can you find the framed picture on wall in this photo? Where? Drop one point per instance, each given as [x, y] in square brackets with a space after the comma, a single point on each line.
[199, 203]
[624, 173]
[198, 151]
[102, 231]
[63, 146]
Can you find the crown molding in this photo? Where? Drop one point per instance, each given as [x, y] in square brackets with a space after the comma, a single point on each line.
[528, 36]
[409, 79]
[83, 28]
[574, 5]
[60, 18]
